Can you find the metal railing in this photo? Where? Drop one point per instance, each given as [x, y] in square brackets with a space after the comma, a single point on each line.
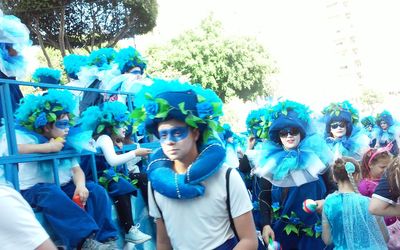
[11, 161]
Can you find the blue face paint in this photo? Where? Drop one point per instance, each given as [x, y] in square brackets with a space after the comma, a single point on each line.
[62, 124]
[174, 134]
[136, 72]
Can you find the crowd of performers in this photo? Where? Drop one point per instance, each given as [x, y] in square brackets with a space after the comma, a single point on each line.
[298, 179]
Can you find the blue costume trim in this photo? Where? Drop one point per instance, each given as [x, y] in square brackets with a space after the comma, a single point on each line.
[184, 186]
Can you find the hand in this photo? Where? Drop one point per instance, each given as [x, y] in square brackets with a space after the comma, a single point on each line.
[83, 193]
[55, 145]
[142, 151]
[320, 205]
[251, 141]
[267, 233]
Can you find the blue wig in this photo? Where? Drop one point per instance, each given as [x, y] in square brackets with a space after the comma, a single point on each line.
[129, 58]
[384, 116]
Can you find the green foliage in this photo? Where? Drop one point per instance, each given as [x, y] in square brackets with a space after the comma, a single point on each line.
[230, 66]
[88, 23]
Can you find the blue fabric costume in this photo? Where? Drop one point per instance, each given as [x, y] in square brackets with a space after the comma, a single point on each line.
[296, 175]
[69, 222]
[388, 135]
[352, 226]
[355, 142]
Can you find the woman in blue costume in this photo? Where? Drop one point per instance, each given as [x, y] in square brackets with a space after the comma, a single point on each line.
[346, 220]
[294, 160]
[108, 124]
[14, 37]
[370, 129]
[341, 131]
[388, 132]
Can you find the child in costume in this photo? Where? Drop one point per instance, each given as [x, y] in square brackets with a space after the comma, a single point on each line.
[132, 66]
[42, 119]
[373, 165]
[14, 37]
[346, 221]
[295, 161]
[388, 132]
[108, 124]
[188, 189]
[231, 149]
[341, 131]
[370, 129]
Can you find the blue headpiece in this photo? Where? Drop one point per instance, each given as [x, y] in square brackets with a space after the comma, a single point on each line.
[340, 112]
[35, 111]
[73, 64]
[368, 121]
[165, 100]
[227, 131]
[47, 75]
[129, 58]
[14, 35]
[109, 115]
[258, 122]
[384, 116]
[288, 114]
[102, 57]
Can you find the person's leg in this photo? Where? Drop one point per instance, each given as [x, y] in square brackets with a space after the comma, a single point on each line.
[124, 210]
[69, 222]
[98, 207]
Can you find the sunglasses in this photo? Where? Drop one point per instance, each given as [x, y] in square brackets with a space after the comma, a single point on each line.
[292, 131]
[335, 125]
[136, 72]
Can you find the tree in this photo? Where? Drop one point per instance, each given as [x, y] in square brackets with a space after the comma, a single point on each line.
[68, 24]
[230, 66]
[370, 99]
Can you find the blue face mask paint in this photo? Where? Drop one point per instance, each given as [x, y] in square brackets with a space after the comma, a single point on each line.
[174, 134]
[136, 72]
[62, 124]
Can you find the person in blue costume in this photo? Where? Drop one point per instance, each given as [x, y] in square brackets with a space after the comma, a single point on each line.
[47, 75]
[14, 37]
[346, 222]
[108, 124]
[44, 122]
[388, 132]
[341, 131]
[296, 162]
[370, 129]
[98, 71]
[257, 124]
[188, 189]
[132, 66]
[228, 138]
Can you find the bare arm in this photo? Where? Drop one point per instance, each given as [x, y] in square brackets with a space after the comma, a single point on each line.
[163, 242]
[47, 245]
[326, 230]
[49, 147]
[80, 183]
[380, 207]
[246, 231]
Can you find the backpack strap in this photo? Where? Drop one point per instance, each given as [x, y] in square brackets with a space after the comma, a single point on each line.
[228, 203]
[155, 201]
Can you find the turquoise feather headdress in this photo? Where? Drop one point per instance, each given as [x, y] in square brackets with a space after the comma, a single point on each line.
[35, 111]
[102, 57]
[171, 99]
[108, 115]
[73, 64]
[47, 75]
[258, 122]
[368, 121]
[129, 58]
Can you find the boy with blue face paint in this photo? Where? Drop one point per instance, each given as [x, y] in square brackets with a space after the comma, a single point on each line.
[43, 126]
[187, 191]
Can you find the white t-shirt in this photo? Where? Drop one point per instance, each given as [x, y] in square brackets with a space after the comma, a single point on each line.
[31, 173]
[203, 222]
[19, 228]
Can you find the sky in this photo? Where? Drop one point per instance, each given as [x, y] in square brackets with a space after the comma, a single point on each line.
[301, 36]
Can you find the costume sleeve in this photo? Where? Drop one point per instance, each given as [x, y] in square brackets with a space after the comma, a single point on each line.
[265, 200]
[105, 143]
[383, 191]
[240, 199]
[244, 164]
[19, 228]
[153, 209]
